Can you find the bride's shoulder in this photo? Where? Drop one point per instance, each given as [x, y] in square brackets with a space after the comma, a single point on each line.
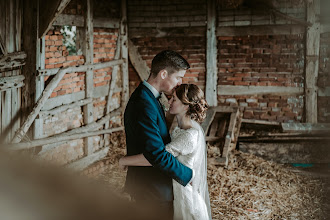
[187, 132]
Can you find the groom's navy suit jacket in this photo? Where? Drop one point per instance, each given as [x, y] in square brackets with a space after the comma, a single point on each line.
[147, 133]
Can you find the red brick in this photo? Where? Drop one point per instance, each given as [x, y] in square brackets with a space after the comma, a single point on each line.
[50, 66]
[234, 78]
[248, 114]
[53, 37]
[54, 94]
[58, 43]
[241, 83]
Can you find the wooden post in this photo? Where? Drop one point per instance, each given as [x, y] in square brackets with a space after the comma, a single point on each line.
[89, 84]
[124, 53]
[312, 59]
[211, 55]
[112, 88]
[30, 36]
[40, 86]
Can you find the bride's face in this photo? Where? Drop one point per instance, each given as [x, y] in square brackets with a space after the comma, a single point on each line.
[176, 106]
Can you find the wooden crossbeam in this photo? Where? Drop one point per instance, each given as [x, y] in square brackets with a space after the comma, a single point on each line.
[50, 140]
[306, 128]
[12, 60]
[90, 159]
[11, 82]
[82, 68]
[65, 107]
[20, 133]
[78, 20]
[49, 10]
[139, 64]
[2, 46]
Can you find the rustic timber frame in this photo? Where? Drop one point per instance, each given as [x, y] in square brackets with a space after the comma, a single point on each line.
[85, 100]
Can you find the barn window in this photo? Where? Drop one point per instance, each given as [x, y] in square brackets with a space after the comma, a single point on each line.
[69, 38]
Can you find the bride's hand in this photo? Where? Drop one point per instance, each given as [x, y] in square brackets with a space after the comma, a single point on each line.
[121, 165]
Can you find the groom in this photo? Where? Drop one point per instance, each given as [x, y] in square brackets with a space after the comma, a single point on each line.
[147, 133]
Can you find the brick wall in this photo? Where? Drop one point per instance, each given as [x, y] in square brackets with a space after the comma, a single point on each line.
[56, 56]
[191, 48]
[148, 16]
[263, 61]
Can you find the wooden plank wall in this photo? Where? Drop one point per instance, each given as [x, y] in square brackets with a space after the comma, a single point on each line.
[10, 99]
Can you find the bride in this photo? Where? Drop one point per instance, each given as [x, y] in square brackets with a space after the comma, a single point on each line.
[188, 146]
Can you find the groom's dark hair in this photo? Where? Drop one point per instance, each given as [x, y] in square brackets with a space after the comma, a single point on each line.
[168, 60]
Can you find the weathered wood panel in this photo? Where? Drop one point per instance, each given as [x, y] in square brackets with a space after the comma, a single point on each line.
[10, 57]
[312, 59]
[211, 55]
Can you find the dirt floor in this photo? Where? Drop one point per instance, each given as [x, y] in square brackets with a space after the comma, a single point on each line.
[250, 188]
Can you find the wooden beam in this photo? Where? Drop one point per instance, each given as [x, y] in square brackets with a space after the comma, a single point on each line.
[260, 90]
[65, 107]
[46, 94]
[312, 60]
[260, 30]
[82, 68]
[85, 129]
[10, 82]
[86, 161]
[124, 52]
[211, 55]
[51, 140]
[112, 88]
[78, 20]
[260, 122]
[95, 124]
[38, 126]
[49, 10]
[139, 64]
[306, 128]
[100, 91]
[30, 35]
[166, 32]
[208, 120]
[3, 46]
[89, 83]
[12, 60]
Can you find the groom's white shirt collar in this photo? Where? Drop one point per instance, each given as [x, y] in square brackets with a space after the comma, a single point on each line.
[151, 88]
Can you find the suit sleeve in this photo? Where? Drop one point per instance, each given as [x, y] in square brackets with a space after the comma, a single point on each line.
[154, 151]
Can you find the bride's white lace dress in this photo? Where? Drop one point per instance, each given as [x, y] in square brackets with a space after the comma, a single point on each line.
[190, 202]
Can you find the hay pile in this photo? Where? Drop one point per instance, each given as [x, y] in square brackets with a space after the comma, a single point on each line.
[251, 188]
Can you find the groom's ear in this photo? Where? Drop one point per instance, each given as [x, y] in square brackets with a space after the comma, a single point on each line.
[163, 74]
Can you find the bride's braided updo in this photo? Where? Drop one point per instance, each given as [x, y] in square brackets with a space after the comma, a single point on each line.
[192, 95]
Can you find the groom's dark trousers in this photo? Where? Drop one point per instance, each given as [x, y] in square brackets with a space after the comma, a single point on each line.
[147, 133]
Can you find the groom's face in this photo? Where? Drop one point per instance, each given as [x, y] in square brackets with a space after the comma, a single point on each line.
[171, 81]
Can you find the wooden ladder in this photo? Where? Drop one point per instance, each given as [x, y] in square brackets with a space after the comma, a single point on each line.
[222, 125]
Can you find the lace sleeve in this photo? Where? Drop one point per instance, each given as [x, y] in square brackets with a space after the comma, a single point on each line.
[184, 143]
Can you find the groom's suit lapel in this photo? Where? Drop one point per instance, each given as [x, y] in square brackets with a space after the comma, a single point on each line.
[152, 97]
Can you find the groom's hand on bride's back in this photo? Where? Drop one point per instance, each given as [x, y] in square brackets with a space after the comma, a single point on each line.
[121, 165]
